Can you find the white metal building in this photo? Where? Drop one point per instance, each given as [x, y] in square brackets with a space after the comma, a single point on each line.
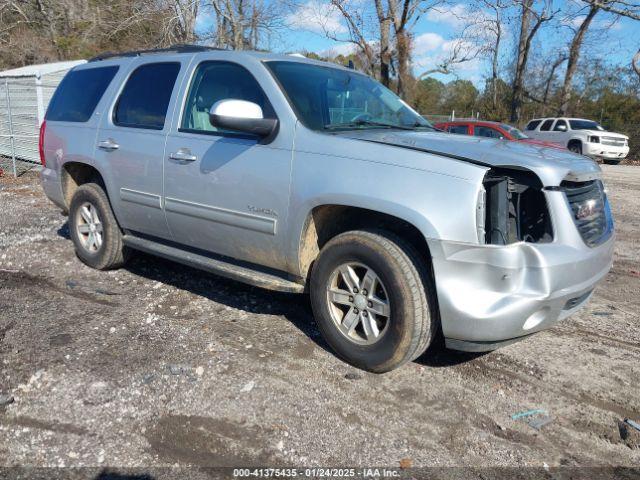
[25, 93]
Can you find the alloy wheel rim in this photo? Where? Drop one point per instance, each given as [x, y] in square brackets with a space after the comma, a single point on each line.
[89, 227]
[358, 303]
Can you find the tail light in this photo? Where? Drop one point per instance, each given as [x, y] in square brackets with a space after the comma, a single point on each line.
[43, 127]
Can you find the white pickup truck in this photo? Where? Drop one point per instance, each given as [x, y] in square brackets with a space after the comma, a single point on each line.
[581, 136]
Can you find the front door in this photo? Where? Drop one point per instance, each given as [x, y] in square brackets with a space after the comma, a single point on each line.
[131, 142]
[225, 192]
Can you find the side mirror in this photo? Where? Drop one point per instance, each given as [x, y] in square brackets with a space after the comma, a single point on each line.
[241, 116]
[561, 128]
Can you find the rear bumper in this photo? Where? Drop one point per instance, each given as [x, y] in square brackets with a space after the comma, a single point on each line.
[52, 187]
[490, 296]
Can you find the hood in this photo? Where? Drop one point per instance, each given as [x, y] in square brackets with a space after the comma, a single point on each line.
[551, 165]
[541, 143]
[604, 133]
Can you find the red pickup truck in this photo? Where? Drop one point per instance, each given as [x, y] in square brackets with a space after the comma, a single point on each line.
[492, 130]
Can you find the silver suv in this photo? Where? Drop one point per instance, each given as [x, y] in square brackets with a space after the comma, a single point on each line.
[301, 176]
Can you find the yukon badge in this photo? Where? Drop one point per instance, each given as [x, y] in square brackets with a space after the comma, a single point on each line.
[264, 211]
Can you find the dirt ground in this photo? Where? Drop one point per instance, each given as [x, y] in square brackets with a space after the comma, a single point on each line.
[160, 365]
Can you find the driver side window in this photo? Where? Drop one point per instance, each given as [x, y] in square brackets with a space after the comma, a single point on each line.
[214, 81]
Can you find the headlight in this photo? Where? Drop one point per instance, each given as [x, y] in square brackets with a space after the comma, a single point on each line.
[594, 139]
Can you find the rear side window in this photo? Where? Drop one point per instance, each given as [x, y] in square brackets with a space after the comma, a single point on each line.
[459, 129]
[145, 98]
[480, 131]
[533, 124]
[78, 94]
[546, 126]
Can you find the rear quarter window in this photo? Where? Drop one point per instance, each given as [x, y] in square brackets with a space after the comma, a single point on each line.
[533, 124]
[459, 129]
[78, 94]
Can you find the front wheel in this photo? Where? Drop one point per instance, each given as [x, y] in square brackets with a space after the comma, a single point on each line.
[575, 148]
[371, 297]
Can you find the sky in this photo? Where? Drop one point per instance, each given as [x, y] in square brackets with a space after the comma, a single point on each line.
[435, 34]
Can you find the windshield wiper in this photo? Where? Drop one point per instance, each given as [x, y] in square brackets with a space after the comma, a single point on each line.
[359, 123]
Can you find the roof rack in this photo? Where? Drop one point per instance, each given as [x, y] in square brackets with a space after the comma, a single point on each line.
[179, 48]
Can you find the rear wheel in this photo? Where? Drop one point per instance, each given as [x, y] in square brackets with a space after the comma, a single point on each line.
[94, 229]
[371, 298]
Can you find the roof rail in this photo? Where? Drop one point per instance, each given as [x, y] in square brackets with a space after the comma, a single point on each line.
[178, 48]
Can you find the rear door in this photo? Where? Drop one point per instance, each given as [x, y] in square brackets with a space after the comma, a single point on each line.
[131, 141]
[544, 130]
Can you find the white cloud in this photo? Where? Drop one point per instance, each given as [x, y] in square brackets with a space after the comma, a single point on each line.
[339, 49]
[427, 42]
[317, 16]
[454, 16]
[205, 21]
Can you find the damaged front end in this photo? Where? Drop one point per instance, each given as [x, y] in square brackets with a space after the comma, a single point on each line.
[512, 208]
[540, 252]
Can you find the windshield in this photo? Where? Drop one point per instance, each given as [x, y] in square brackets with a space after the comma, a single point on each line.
[513, 131]
[585, 125]
[326, 98]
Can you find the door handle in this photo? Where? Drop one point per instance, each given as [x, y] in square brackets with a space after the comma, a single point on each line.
[109, 144]
[183, 155]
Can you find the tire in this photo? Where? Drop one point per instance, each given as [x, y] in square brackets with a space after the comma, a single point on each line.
[403, 280]
[611, 162]
[109, 253]
[575, 148]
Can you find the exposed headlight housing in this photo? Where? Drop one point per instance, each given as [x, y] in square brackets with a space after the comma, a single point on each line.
[515, 208]
[594, 139]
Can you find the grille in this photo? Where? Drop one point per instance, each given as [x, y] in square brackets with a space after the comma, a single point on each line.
[590, 209]
[613, 141]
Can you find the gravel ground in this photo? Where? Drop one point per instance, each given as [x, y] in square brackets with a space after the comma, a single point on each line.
[159, 365]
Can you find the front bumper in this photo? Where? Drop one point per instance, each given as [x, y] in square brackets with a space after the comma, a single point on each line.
[608, 152]
[492, 295]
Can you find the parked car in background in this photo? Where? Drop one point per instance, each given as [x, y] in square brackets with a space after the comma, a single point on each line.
[498, 130]
[581, 136]
[304, 176]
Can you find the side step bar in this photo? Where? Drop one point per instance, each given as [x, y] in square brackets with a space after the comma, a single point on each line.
[218, 267]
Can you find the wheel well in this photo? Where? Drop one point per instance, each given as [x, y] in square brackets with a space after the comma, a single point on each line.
[75, 174]
[575, 142]
[326, 221]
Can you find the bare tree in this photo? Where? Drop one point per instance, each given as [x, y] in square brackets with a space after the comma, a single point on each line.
[384, 20]
[530, 22]
[549, 81]
[623, 8]
[243, 24]
[357, 27]
[181, 25]
[636, 63]
[493, 25]
[460, 50]
[574, 55]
